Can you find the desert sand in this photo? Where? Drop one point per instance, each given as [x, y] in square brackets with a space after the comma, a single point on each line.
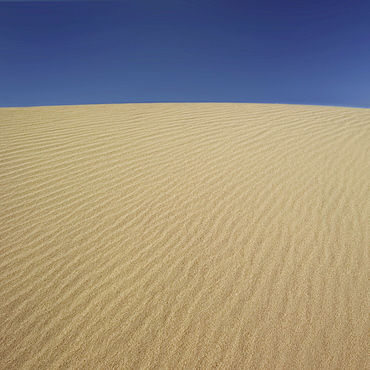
[185, 236]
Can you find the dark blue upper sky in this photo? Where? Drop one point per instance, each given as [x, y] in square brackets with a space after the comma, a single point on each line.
[132, 51]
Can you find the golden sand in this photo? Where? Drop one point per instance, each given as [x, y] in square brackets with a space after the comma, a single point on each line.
[185, 236]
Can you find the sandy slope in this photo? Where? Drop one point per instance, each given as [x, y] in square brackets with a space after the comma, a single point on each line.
[185, 236]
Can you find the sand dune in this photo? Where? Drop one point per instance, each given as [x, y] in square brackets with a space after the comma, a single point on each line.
[185, 236]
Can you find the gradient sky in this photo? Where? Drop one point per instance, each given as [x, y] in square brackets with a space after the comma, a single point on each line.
[134, 51]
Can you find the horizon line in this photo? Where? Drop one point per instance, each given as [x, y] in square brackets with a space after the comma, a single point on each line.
[183, 102]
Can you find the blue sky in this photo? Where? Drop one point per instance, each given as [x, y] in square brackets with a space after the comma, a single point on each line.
[135, 51]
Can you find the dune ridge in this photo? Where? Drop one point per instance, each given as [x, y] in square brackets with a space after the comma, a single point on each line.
[185, 236]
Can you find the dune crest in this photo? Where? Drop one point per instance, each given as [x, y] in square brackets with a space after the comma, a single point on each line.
[185, 236]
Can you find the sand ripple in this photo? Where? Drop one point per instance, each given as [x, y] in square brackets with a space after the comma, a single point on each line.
[185, 236]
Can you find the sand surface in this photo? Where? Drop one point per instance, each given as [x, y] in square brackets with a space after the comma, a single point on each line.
[185, 236]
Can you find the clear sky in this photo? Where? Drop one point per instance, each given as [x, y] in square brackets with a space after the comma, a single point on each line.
[134, 51]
